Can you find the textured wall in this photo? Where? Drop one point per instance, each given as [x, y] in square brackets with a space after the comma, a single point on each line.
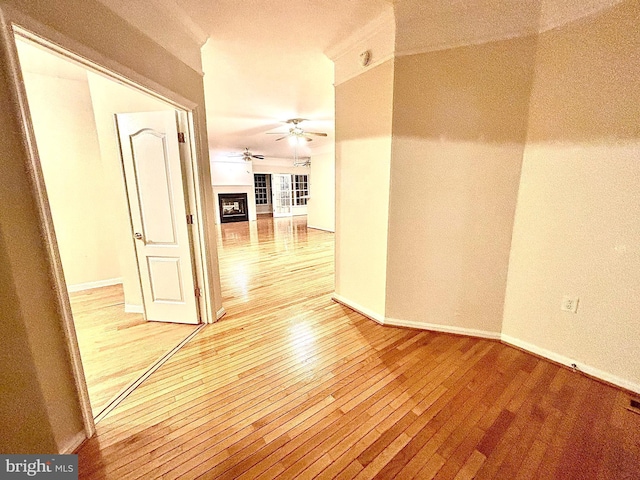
[363, 155]
[459, 127]
[578, 218]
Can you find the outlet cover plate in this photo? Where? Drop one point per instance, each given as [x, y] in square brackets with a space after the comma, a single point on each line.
[569, 304]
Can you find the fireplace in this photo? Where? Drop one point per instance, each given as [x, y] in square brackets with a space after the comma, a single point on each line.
[233, 207]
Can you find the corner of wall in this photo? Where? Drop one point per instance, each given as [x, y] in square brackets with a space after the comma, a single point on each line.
[577, 196]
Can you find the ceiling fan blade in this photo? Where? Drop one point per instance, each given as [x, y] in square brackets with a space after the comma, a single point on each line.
[281, 138]
[320, 134]
[259, 157]
[307, 139]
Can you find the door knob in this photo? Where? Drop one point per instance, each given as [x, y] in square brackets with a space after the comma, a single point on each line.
[138, 236]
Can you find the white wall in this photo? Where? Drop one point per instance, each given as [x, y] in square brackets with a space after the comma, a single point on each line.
[577, 225]
[459, 128]
[63, 119]
[321, 208]
[233, 176]
[108, 98]
[514, 180]
[363, 157]
[363, 123]
[231, 172]
[251, 199]
[73, 111]
[236, 176]
[278, 165]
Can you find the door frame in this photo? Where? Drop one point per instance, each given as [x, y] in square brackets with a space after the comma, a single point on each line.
[191, 117]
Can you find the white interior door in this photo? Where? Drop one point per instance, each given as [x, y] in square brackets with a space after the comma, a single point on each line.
[281, 195]
[153, 174]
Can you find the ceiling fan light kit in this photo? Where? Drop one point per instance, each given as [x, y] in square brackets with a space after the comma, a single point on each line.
[296, 135]
[297, 132]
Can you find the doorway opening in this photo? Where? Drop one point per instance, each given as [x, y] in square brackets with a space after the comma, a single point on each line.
[281, 195]
[114, 291]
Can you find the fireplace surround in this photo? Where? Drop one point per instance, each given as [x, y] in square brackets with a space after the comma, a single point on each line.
[233, 207]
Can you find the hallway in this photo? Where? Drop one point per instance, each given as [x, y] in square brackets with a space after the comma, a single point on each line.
[290, 384]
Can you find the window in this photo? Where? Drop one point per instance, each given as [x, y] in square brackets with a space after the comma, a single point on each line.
[300, 189]
[260, 180]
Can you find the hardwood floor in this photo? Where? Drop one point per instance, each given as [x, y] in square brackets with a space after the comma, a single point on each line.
[292, 385]
[117, 347]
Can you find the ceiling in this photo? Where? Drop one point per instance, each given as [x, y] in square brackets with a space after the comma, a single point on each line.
[264, 63]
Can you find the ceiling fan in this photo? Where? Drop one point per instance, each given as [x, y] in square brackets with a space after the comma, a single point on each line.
[296, 131]
[302, 162]
[247, 156]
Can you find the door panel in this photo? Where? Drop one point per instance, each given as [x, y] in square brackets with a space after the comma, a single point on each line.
[155, 191]
[281, 195]
[166, 280]
[153, 175]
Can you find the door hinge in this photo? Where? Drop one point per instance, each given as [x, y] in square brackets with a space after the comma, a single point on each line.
[197, 292]
[181, 137]
[189, 219]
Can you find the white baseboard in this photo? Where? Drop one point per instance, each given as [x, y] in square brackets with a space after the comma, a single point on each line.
[469, 332]
[133, 308]
[79, 287]
[561, 359]
[529, 347]
[358, 308]
[394, 322]
[320, 228]
[220, 313]
[74, 443]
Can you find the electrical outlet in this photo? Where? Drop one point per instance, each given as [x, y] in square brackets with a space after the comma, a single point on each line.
[569, 304]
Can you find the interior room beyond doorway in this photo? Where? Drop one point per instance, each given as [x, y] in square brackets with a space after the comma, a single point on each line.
[272, 186]
[72, 110]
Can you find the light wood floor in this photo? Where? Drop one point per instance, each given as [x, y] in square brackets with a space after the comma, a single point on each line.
[117, 347]
[292, 385]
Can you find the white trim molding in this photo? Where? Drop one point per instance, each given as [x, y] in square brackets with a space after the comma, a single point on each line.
[379, 60]
[395, 322]
[571, 363]
[367, 32]
[506, 339]
[377, 38]
[220, 313]
[376, 317]
[321, 228]
[436, 327]
[133, 308]
[79, 287]
[486, 23]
